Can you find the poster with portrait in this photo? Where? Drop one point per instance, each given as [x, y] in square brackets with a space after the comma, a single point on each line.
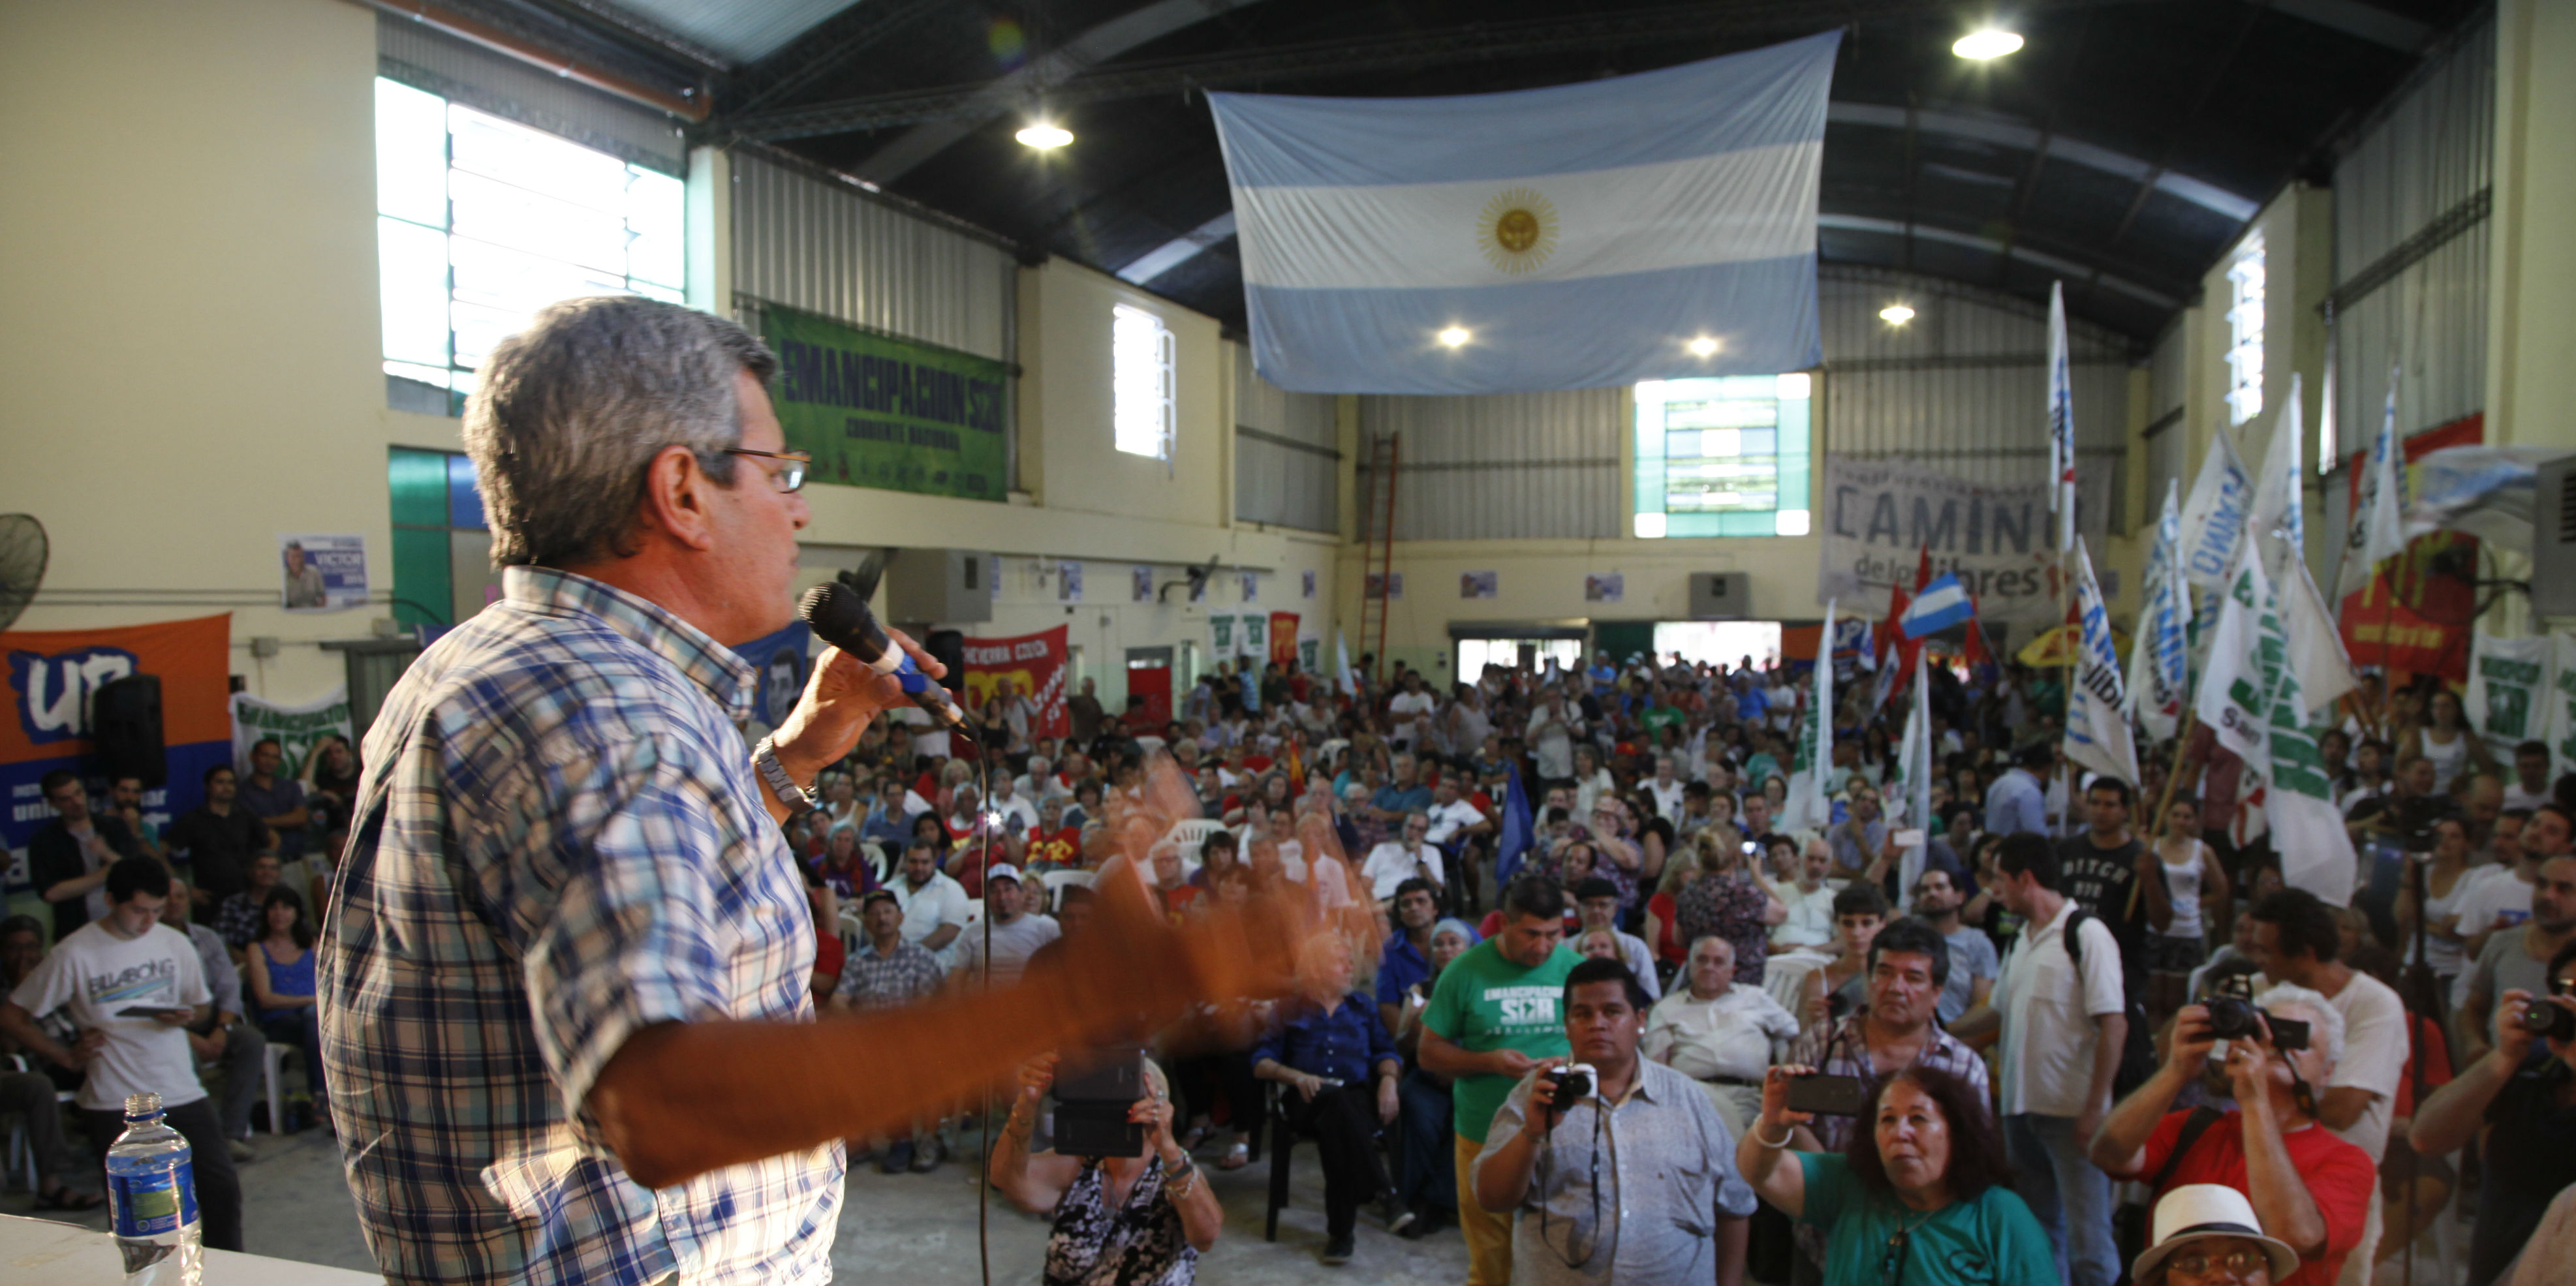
[1068, 586]
[1251, 587]
[322, 573]
[1384, 585]
[1605, 587]
[1140, 584]
[1479, 584]
[783, 659]
[1033, 666]
[1307, 578]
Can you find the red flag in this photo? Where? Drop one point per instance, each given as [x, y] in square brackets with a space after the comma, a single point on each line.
[1897, 649]
[1977, 652]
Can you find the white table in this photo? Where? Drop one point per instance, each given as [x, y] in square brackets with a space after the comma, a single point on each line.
[40, 1252]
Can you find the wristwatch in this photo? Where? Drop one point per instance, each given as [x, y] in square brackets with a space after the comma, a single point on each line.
[765, 758]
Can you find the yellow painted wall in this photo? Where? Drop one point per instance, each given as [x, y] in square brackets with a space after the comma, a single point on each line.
[2531, 327]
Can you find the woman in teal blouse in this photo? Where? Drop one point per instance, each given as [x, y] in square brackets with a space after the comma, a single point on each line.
[1919, 1199]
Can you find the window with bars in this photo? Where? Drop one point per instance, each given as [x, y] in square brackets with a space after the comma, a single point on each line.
[2245, 333]
[1724, 457]
[482, 221]
[1141, 394]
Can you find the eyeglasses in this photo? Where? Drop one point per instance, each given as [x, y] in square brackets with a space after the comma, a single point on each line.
[789, 477]
[2236, 1263]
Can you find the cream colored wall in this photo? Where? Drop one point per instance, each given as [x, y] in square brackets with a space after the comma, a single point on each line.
[188, 328]
[2531, 327]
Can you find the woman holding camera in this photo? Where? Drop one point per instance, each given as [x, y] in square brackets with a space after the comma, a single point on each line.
[1918, 1197]
[2531, 1154]
[1143, 1219]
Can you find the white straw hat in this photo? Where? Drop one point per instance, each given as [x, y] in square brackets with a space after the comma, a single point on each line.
[2199, 1210]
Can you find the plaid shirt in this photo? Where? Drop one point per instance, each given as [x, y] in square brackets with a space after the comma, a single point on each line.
[557, 844]
[238, 918]
[872, 981]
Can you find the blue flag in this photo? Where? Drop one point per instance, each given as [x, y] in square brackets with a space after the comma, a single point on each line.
[1514, 843]
[1645, 227]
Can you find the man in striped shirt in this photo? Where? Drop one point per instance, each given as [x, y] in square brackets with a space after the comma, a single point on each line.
[565, 987]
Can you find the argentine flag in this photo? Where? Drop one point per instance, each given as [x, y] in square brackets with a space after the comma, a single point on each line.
[1655, 226]
[1937, 607]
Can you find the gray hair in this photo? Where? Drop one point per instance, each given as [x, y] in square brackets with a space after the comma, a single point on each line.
[572, 410]
[2325, 1032]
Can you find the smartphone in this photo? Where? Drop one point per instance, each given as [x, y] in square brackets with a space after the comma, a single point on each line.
[1828, 1095]
[1911, 837]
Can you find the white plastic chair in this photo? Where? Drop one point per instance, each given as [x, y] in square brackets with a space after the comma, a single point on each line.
[272, 1075]
[1785, 976]
[853, 932]
[1058, 881]
[1189, 836]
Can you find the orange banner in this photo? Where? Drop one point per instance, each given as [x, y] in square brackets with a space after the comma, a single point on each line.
[55, 674]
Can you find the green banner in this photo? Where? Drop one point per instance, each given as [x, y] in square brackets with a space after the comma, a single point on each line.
[883, 412]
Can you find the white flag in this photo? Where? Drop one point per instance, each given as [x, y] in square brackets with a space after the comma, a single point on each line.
[2316, 646]
[1914, 769]
[2279, 490]
[1806, 806]
[1342, 658]
[2213, 517]
[2378, 529]
[2061, 421]
[2097, 721]
[2508, 691]
[2234, 698]
[2253, 703]
[2158, 657]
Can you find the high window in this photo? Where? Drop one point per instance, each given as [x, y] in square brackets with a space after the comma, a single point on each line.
[1140, 356]
[482, 221]
[2245, 333]
[1723, 457]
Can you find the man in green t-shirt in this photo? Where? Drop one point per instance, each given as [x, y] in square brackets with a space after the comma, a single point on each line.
[1496, 1013]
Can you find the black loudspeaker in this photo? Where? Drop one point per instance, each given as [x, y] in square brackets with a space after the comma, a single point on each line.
[948, 647]
[125, 723]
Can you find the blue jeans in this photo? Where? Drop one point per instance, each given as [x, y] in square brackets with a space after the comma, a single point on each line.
[2070, 1195]
[1426, 1171]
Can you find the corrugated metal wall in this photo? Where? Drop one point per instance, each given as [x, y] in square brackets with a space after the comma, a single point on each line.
[1513, 466]
[2411, 239]
[414, 54]
[1284, 453]
[1963, 387]
[824, 247]
[1960, 388]
[2167, 441]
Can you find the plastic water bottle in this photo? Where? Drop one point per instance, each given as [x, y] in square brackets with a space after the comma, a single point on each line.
[152, 1199]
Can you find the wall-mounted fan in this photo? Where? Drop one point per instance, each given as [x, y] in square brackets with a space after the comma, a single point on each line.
[22, 564]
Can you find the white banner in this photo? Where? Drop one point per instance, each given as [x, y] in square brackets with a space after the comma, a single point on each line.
[297, 728]
[2508, 689]
[1880, 516]
[2562, 704]
[2097, 722]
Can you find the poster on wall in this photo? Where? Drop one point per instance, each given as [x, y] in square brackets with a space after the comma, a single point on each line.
[1479, 584]
[875, 411]
[1220, 636]
[1251, 588]
[1383, 585]
[1252, 636]
[1283, 639]
[783, 660]
[1307, 579]
[1879, 518]
[1033, 664]
[323, 573]
[52, 676]
[297, 728]
[1604, 587]
[1140, 584]
[1309, 654]
[1068, 586]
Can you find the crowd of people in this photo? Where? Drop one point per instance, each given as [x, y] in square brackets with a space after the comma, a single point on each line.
[2021, 983]
[2040, 1010]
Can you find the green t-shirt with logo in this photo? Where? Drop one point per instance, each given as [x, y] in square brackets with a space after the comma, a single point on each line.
[1484, 1002]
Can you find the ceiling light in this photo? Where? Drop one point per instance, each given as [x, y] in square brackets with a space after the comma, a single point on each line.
[1045, 136]
[1896, 314]
[1703, 347]
[1455, 337]
[1980, 46]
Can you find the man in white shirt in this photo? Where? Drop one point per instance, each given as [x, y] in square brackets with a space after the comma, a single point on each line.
[2063, 1024]
[2530, 785]
[934, 904]
[1453, 819]
[1596, 901]
[1397, 860]
[1718, 1030]
[2296, 941]
[133, 985]
[1040, 783]
[1810, 902]
[1016, 934]
[1009, 803]
[1666, 786]
[1414, 701]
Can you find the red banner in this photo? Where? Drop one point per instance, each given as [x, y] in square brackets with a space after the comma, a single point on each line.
[1033, 664]
[1283, 640]
[2419, 610]
[53, 676]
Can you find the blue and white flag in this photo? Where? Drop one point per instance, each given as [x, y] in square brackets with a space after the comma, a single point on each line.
[1938, 606]
[1655, 226]
[2061, 421]
[1806, 806]
[2213, 516]
[2097, 716]
[1513, 845]
[2378, 530]
[2159, 658]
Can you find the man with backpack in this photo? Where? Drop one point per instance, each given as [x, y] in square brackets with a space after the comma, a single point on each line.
[2064, 1019]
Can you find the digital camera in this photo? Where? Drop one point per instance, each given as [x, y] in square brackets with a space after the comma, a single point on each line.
[1574, 1083]
[2548, 1021]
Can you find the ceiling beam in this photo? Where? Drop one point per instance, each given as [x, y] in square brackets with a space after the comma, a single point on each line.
[2358, 20]
[826, 47]
[2068, 268]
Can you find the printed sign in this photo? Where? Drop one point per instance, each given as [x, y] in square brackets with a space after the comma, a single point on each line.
[1387, 585]
[1605, 588]
[1251, 588]
[1479, 584]
[1033, 666]
[783, 659]
[1068, 587]
[323, 573]
[1140, 584]
[1307, 578]
[1283, 639]
[875, 411]
[1879, 517]
[53, 674]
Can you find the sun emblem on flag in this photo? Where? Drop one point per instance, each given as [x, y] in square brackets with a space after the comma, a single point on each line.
[1517, 230]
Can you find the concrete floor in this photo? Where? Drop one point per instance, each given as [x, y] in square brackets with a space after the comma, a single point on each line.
[915, 1228]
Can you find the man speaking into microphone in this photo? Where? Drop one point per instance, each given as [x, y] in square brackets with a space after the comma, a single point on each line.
[565, 982]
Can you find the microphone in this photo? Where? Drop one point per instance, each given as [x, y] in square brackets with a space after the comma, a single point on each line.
[840, 617]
